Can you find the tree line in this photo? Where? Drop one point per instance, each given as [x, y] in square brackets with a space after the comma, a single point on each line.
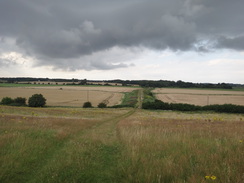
[142, 83]
[172, 84]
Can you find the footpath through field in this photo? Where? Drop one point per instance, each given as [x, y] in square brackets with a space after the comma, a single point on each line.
[97, 152]
[89, 155]
[140, 99]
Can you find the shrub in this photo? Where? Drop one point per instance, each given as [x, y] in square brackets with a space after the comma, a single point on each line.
[102, 105]
[19, 101]
[119, 106]
[87, 105]
[36, 100]
[156, 105]
[184, 107]
[7, 101]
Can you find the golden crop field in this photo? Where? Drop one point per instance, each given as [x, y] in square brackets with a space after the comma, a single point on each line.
[199, 97]
[69, 95]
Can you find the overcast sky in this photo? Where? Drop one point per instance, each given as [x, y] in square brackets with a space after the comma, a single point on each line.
[189, 40]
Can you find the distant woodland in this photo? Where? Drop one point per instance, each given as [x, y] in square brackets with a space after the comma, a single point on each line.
[142, 83]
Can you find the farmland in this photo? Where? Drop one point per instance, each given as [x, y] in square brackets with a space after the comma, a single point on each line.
[74, 144]
[200, 97]
[68, 95]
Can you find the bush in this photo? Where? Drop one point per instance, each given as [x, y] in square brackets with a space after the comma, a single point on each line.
[156, 105]
[87, 105]
[185, 107]
[7, 101]
[119, 106]
[37, 100]
[19, 101]
[102, 105]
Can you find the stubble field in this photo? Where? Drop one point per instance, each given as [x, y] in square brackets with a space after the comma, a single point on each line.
[199, 97]
[69, 95]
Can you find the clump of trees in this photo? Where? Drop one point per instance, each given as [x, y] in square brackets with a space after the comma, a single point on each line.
[102, 105]
[37, 100]
[19, 101]
[87, 105]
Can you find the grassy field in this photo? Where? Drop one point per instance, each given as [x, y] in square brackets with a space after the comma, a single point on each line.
[119, 145]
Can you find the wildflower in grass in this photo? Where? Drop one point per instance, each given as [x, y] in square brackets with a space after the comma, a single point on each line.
[207, 177]
[213, 177]
[240, 141]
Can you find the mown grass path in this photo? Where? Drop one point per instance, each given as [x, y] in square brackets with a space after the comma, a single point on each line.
[140, 99]
[85, 154]
[92, 155]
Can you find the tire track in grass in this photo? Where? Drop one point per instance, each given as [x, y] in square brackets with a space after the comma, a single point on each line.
[91, 155]
[34, 145]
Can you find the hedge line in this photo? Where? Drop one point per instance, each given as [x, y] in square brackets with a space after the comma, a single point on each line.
[226, 108]
[19, 101]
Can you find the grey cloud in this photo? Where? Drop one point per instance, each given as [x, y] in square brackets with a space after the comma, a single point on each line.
[236, 43]
[56, 30]
[86, 64]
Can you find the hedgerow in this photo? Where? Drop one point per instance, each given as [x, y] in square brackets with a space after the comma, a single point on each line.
[226, 108]
[19, 101]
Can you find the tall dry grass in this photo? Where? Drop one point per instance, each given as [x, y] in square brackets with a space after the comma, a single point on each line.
[174, 150]
[119, 145]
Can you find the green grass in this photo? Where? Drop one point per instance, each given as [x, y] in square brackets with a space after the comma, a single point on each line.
[148, 96]
[238, 89]
[24, 85]
[50, 145]
[130, 99]
[46, 85]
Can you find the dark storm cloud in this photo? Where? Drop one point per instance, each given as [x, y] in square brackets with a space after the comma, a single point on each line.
[54, 30]
[236, 43]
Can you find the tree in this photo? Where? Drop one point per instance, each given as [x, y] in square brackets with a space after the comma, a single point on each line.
[36, 100]
[7, 101]
[87, 105]
[102, 105]
[20, 101]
